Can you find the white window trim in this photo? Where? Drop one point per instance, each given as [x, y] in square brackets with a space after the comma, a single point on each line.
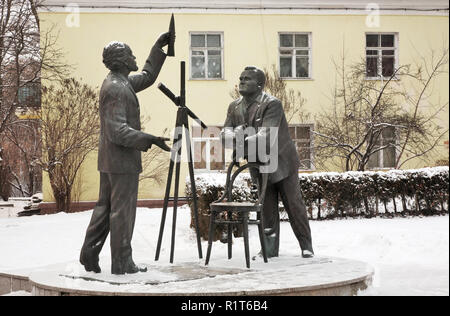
[311, 142]
[293, 70]
[207, 140]
[379, 63]
[206, 55]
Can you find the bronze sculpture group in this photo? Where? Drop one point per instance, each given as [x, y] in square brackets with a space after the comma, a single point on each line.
[122, 141]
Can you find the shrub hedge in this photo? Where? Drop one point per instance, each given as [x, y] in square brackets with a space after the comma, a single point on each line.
[331, 195]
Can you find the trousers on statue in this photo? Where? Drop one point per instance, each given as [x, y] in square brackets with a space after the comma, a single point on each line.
[289, 191]
[115, 213]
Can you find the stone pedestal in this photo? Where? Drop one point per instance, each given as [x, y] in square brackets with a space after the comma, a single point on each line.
[281, 276]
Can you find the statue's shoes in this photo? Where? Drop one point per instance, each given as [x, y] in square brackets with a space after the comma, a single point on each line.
[260, 256]
[90, 265]
[135, 269]
[128, 268]
[307, 254]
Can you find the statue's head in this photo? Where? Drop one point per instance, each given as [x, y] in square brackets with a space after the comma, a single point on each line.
[117, 55]
[251, 81]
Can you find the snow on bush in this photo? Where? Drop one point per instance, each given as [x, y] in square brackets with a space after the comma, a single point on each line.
[332, 194]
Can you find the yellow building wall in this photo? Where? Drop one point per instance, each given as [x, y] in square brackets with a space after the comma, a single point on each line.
[248, 40]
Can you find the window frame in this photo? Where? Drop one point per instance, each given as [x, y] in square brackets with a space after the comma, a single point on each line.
[311, 142]
[293, 56]
[207, 140]
[379, 50]
[380, 153]
[29, 95]
[205, 50]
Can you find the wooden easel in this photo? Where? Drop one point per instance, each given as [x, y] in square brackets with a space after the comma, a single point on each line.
[181, 125]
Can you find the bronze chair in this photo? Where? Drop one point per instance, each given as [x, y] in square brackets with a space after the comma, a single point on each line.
[241, 210]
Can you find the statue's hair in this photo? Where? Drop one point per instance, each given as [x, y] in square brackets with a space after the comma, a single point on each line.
[113, 55]
[260, 76]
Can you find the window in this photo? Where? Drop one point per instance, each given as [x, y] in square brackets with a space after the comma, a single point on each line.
[295, 55]
[206, 55]
[381, 55]
[384, 158]
[29, 95]
[207, 148]
[302, 135]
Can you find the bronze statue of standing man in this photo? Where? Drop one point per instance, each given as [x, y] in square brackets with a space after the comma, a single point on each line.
[119, 155]
[261, 118]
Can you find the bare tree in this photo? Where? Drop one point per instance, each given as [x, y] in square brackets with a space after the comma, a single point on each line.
[70, 122]
[372, 117]
[154, 165]
[4, 177]
[293, 101]
[420, 139]
[154, 161]
[25, 138]
[25, 54]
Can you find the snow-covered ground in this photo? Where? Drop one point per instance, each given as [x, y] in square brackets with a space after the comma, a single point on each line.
[410, 255]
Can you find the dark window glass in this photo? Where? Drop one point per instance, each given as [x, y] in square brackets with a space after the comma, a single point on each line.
[374, 160]
[213, 40]
[302, 53]
[301, 40]
[198, 40]
[285, 67]
[286, 40]
[389, 157]
[302, 68]
[388, 133]
[198, 64]
[371, 67]
[304, 154]
[384, 158]
[292, 132]
[372, 40]
[303, 132]
[214, 64]
[387, 40]
[387, 66]
[29, 95]
[302, 139]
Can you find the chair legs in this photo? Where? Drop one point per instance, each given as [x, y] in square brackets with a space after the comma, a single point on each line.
[212, 228]
[230, 236]
[246, 244]
[244, 219]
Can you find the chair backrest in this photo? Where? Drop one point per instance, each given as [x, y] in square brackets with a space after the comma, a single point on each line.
[231, 177]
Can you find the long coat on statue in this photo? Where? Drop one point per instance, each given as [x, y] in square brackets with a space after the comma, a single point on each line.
[121, 139]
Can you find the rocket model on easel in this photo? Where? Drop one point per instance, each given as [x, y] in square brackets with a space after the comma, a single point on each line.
[171, 46]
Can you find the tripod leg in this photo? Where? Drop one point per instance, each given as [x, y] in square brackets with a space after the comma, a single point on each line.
[193, 190]
[175, 204]
[166, 199]
[164, 213]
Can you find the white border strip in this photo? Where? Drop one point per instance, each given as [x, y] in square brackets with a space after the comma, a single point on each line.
[257, 11]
